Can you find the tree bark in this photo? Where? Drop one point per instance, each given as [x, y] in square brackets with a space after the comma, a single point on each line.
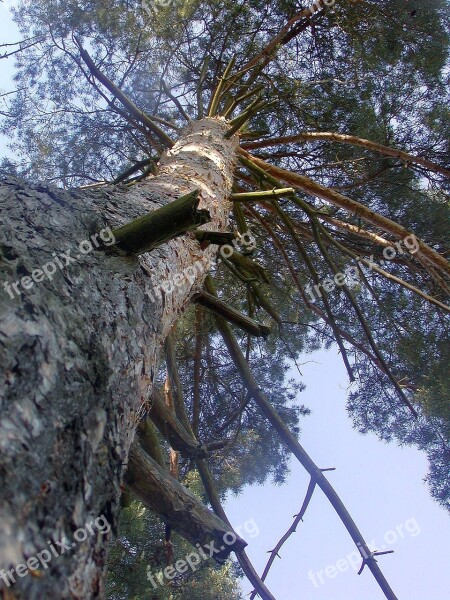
[178, 506]
[79, 352]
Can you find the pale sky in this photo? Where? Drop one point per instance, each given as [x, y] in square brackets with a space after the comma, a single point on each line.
[382, 487]
[380, 484]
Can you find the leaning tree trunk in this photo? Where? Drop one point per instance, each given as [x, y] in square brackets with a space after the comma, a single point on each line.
[79, 353]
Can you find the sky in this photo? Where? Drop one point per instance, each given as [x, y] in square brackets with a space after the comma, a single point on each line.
[381, 485]
[383, 489]
[8, 35]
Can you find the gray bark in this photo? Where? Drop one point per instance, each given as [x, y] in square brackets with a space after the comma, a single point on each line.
[79, 353]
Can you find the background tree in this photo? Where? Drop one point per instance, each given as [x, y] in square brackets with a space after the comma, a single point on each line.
[304, 93]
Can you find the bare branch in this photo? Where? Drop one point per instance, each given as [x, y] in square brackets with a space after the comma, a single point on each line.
[176, 505]
[354, 141]
[320, 191]
[292, 529]
[127, 103]
[297, 450]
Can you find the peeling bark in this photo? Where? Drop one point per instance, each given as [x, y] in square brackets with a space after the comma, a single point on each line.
[79, 352]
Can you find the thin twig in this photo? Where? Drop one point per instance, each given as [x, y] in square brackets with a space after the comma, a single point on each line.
[275, 552]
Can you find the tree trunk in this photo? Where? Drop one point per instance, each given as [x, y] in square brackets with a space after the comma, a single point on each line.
[79, 351]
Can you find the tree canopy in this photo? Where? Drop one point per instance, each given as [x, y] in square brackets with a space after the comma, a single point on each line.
[341, 186]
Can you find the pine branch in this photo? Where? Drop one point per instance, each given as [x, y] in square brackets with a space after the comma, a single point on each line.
[357, 230]
[315, 309]
[297, 450]
[161, 225]
[136, 167]
[263, 302]
[219, 238]
[288, 223]
[365, 326]
[201, 80]
[384, 273]
[216, 97]
[245, 563]
[341, 138]
[209, 486]
[148, 440]
[285, 35]
[176, 505]
[177, 388]
[319, 191]
[175, 100]
[238, 122]
[240, 218]
[172, 429]
[231, 314]
[235, 102]
[197, 369]
[262, 195]
[125, 101]
[315, 276]
[246, 264]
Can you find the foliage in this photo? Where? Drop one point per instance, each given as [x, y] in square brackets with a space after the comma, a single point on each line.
[372, 69]
[139, 551]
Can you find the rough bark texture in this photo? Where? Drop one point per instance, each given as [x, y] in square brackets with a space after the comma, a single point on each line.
[79, 353]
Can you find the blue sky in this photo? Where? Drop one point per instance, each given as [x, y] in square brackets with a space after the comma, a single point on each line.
[382, 487]
[380, 484]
